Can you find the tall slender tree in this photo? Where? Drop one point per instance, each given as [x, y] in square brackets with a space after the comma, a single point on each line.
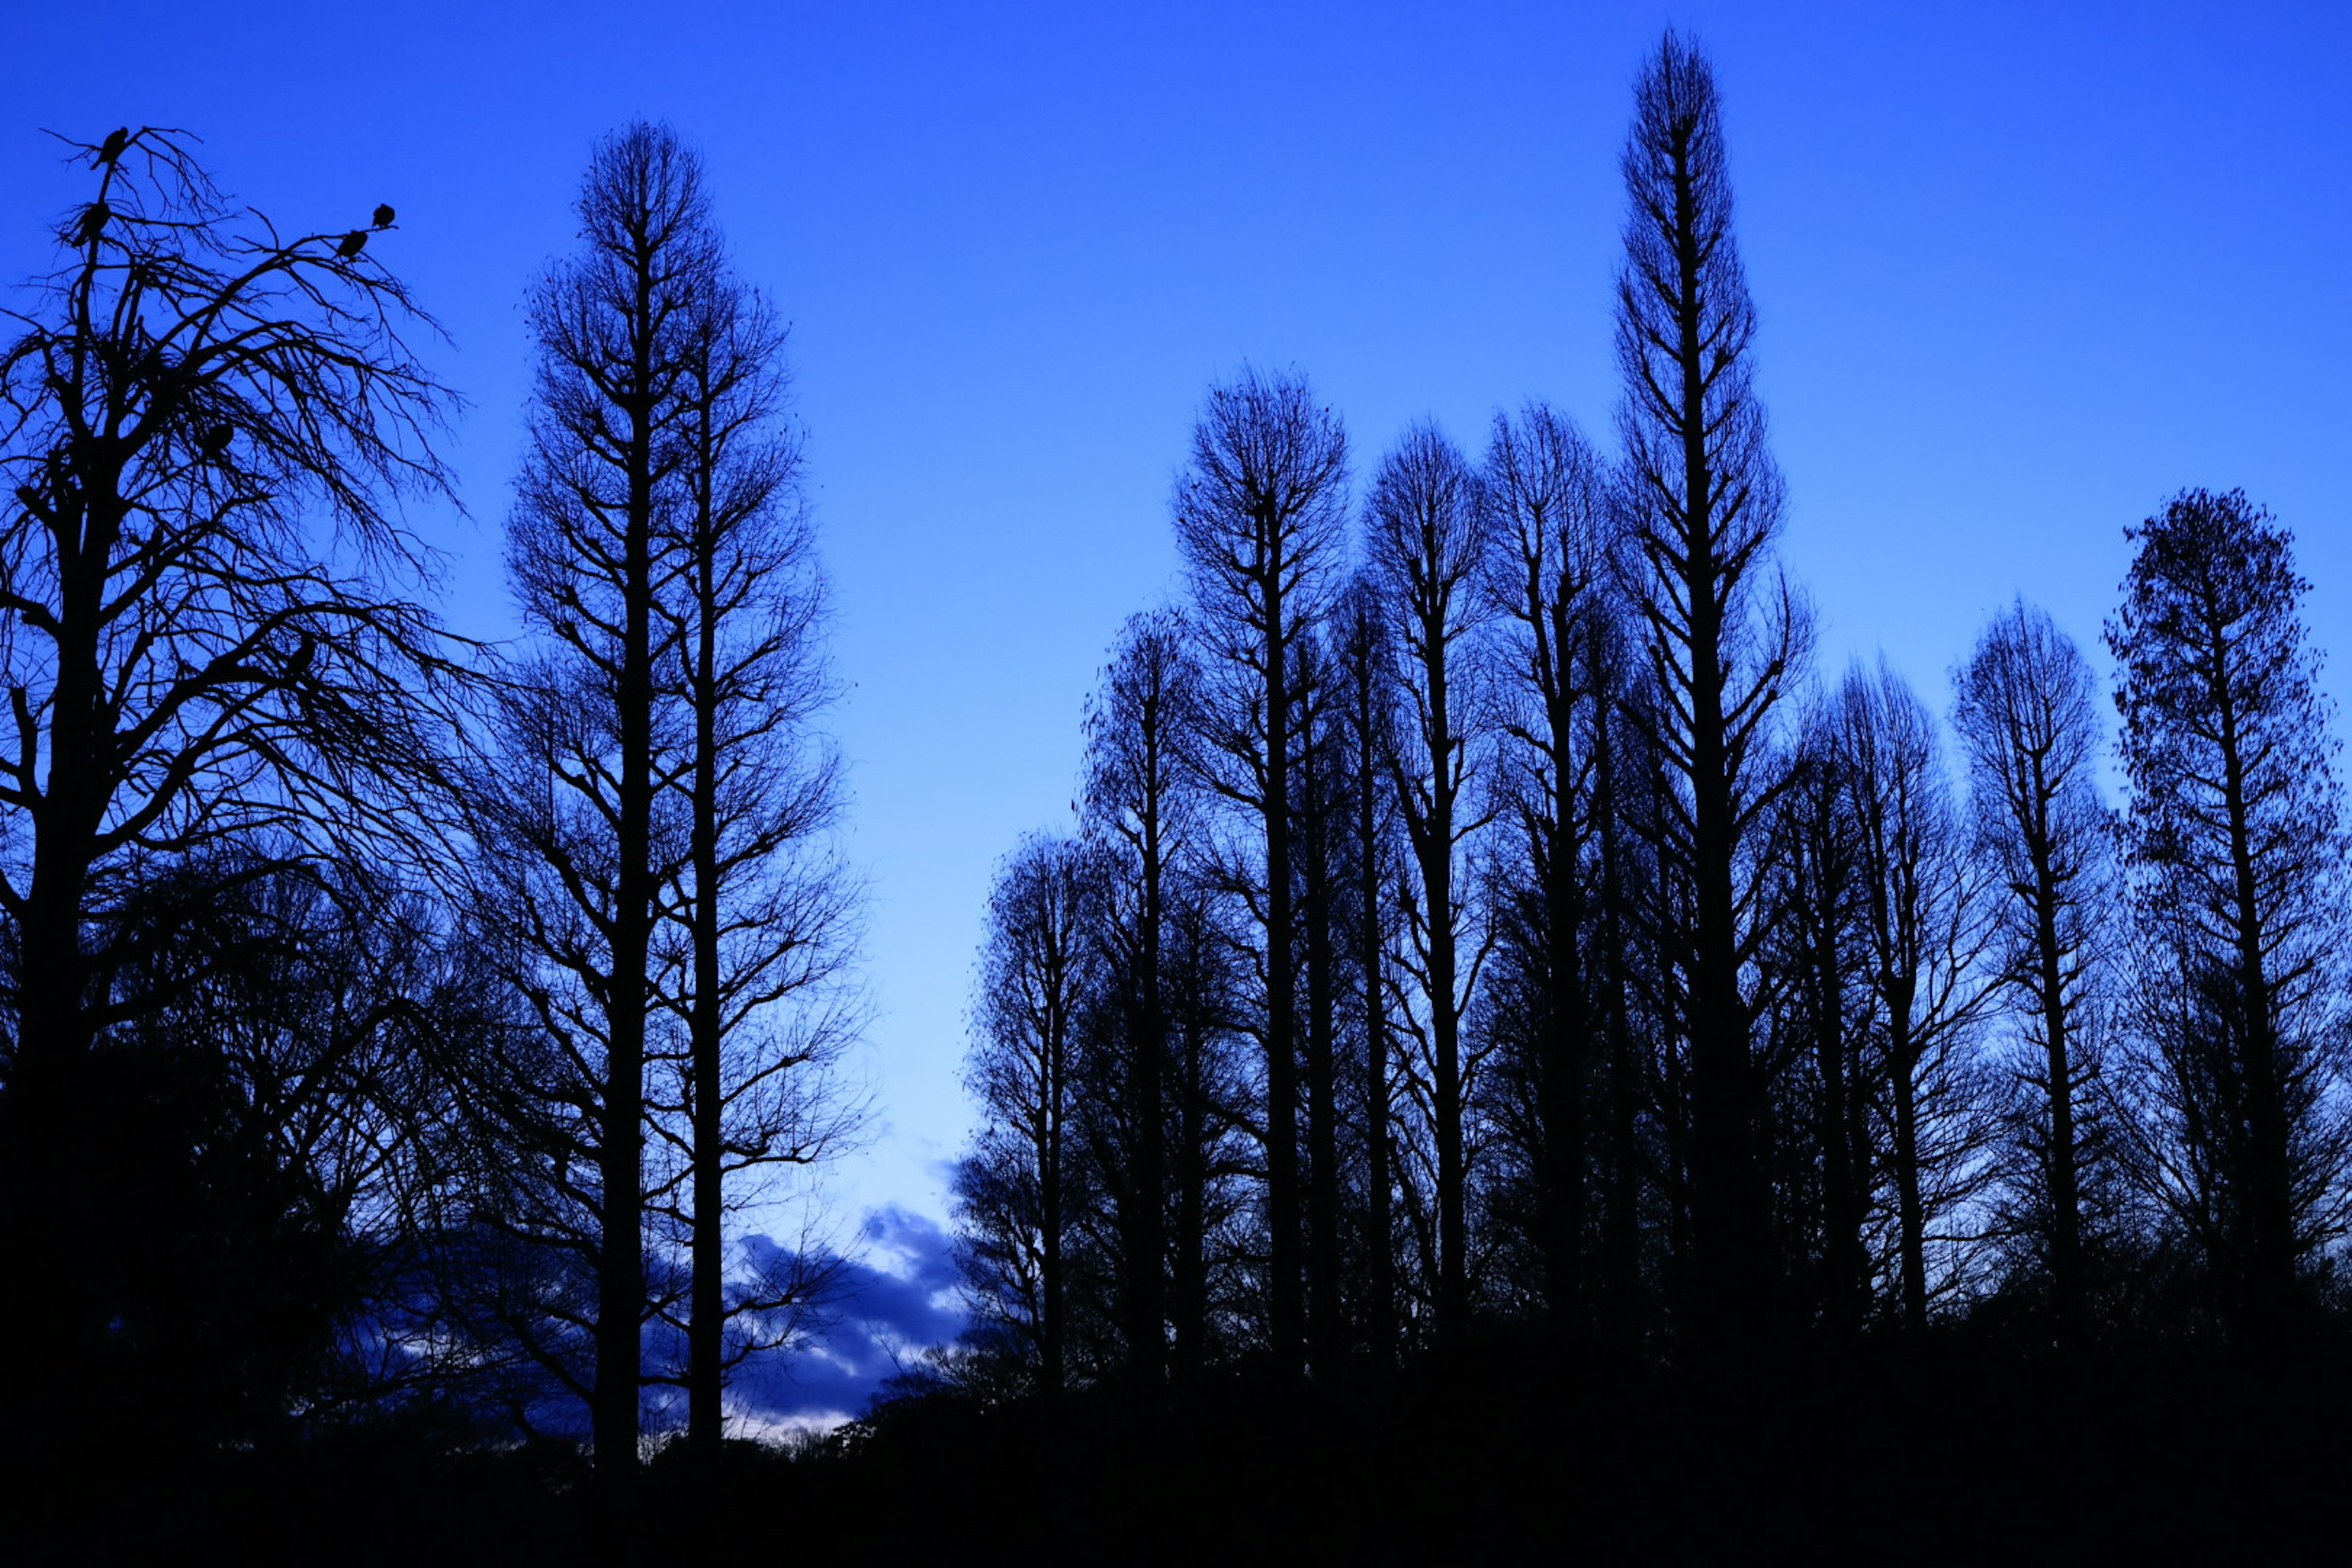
[583, 798]
[763, 912]
[2026, 716]
[1363, 675]
[1703, 500]
[1259, 515]
[1550, 582]
[1827, 997]
[1141, 802]
[1924, 931]
[1319, 805]
[1427, 524]
[1020, 1195]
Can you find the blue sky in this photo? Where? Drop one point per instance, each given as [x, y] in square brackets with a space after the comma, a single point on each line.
[2022, 271]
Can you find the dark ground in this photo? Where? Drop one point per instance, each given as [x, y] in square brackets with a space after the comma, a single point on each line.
[1924, 1456]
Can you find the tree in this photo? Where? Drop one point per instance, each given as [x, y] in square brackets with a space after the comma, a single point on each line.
[1322, 805]
[763, 913]
[1703, 500]
[583, 807]
[1020, 1195]
[1258, 516]
[1426, 523]
[2026, 719]
[1361, 673]
[1549, 584]
[2235, 858]
[1140, 805]
[195, 663]
[1924, 931]
[1828, 992]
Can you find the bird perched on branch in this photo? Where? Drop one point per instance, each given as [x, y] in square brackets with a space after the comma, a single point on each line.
[93, 222]
[214, 441]
[116, 141]
[383, 215]
[353, 243]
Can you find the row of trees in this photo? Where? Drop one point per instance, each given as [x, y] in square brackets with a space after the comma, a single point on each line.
[1479, 913]
[447, 1007]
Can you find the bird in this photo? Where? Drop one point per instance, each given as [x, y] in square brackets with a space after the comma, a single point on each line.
[353, 243]
[214, 441]
[93, 222]
[383, 215]
[116, 141]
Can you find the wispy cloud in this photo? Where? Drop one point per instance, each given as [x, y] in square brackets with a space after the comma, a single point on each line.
[896, 1297]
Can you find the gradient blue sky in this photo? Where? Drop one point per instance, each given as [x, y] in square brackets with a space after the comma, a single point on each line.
[2022, 270]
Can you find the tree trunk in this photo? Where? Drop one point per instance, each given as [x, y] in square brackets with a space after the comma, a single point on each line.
[1730, 1203]
[706, 1321]
[1325, 1326]
[1284, 1302]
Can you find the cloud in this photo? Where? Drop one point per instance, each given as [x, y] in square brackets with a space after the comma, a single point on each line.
[894, 1299]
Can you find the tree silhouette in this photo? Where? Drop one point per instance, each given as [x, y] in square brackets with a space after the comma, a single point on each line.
[1140, 803]
[1427, 527]
[764, 911]
[1362, 675]
[2235, 857]
[581, 807]
[1704, 502]
[2026, 718]
[1258, 515]
[1550, 579]
[206, 638]
[1022, 1194]
[1924, 929]
[1825, 963]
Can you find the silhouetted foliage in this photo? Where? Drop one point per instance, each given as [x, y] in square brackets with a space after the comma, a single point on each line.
[1924, 934]
[1559, 667]
[1427, 525]
[1024, 1194]
[2026, 718]
[1485, 1076]
[2236, 858]
[1704, 506]
[1258, 516]
[657, 875]
[763, 913]
[216, 671]
[583, 835]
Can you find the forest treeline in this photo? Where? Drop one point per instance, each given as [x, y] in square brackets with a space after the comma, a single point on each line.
[404, 1033]
[1485, 920]
[1511, 1046]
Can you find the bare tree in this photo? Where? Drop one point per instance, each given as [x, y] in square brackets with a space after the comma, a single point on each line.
[582, 806]
[1925, 923]
[2235, 853]
[1258, 516]
[1021, 1193]
[2026, 716]
[1705, 503]
[204, 623]
[1427, 528]
[1549, 581]
[1320, 808]
[763, 910]
[1363, 677]
[1822, 951]
[1140, 803]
